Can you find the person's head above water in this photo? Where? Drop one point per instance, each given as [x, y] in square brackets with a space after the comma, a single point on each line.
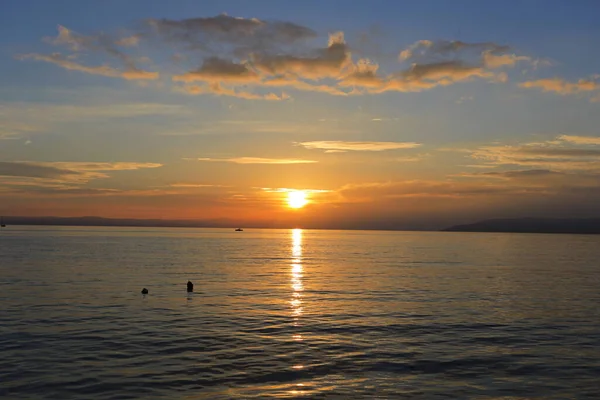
[190, 286]
[144, 291]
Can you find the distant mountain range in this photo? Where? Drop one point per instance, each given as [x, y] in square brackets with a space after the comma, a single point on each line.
[532, 225]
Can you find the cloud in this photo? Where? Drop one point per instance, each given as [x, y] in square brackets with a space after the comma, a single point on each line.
[494, 61]
[104, 70]
[551, 153]
[529, 174]
[70, 39]
[287, 190]
[434, 64]
[129, 41]
[258, 160]
[34, 170]
[409, 52]
[463, 99]
[51, 117]
[12, 128]
[216, 69]
[101, 166]
[246, 34]
[329, 62]
[450, 71]
[542, 179]
[238, 55]
[554, 155]
[426, 49]
[192, 185]
[100, 43]
[66, 172]
[358, 146]
[418, 157]
[580, 139]
[218, 89]
[366, 192]
[561, 86]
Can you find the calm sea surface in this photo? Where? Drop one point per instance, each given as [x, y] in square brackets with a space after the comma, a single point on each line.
[297, 314]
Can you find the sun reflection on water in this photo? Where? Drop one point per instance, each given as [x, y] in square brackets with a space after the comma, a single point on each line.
[296, 277]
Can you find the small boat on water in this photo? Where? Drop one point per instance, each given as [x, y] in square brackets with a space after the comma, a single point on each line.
[239, 230]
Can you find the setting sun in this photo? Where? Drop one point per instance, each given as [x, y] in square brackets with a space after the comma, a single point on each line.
[296, 199]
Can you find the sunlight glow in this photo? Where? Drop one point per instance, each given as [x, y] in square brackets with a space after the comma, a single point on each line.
[296, 199]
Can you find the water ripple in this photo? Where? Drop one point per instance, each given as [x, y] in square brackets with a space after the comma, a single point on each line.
[280, 314]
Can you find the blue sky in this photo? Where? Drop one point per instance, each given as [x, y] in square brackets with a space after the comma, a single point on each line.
[418, 113]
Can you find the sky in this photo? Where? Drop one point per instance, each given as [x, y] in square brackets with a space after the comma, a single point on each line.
[386, 114]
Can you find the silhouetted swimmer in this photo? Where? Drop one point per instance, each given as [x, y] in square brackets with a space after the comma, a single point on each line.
[144, 291]
[190, 287]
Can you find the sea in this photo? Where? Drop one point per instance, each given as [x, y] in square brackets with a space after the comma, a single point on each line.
[297, 314]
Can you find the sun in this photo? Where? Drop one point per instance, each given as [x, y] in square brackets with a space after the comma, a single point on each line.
[296, 199]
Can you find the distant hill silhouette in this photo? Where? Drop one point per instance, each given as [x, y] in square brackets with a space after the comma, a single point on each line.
[219, 223]
[525, 225]
[100, 221]
[532, 225]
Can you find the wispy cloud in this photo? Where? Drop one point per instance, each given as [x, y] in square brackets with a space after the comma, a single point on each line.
[218, 89]
[193, 185]
[101, 43]
[415, 158]
[561, 86]
[555, 154]
[287, 190]
[34, 170]
[104, 70]
[52, 117]
[367, 192]
[357, 146]
[67, 172]
[59, 112]
[593, 140]
[540, 179]
[257, 160]
[11, 128]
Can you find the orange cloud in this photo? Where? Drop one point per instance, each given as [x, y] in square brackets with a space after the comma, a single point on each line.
[580, 139]
[561, 86]
[193, 185]
[493, 61]
[215, 69]
[358, 146]
[218, 89]
[259, 160]
[328, 63]
[57, 59]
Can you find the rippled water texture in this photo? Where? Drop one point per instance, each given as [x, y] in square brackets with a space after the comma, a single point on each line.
[291, 314]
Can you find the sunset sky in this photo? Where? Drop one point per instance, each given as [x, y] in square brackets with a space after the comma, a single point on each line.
[387, 114]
